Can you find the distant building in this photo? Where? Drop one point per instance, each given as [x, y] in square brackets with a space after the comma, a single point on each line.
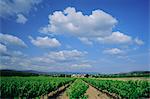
[79, 75]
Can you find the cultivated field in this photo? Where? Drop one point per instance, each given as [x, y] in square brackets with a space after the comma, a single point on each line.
[73, 88]
[127, 78]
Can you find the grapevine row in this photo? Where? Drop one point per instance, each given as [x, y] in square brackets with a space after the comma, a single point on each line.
[125, 89]
[30, 86]
[77, 89]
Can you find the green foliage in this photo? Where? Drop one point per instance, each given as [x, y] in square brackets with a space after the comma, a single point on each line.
[125, 89]
[16, 73]
[30, 86]
[77, 90]
[122, 75]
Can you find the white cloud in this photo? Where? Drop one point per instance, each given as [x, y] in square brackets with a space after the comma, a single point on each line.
[68, 46]
[116, 38]
[17, 9]
[10, 39]
[14, 7]
[80, 66]
[54, 60]
[138, 41]
[9, 60]
[65, 55]
[85, 40]
[3, 48]
[60, 57]
[21, 19]
[16, 53]
[113, 51]
[43, 60]
[87, 28]
[45, 42]
[75, 23]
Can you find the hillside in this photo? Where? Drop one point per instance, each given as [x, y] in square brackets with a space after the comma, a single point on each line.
[63, 74]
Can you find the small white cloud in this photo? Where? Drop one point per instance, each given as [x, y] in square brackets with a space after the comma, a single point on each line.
[85, 40]
[138, 41]
[113, 51]
[43, 60]
[21, 19]
[17, 53]
[10, 39]
[45, 42]
[68, 46]
[65, 55]
[80, 66]
[116, 38]
[3, 48]
[14, 7]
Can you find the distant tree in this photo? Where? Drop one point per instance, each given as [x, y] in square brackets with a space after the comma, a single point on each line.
[86, 75]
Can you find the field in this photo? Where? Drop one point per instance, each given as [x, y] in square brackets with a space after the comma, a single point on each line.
[123, 89]
[30, 87]
[73, 88]
[127, 78]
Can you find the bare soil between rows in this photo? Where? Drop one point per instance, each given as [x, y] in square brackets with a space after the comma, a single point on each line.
[55, 94]
[91, 92]
[62, 95]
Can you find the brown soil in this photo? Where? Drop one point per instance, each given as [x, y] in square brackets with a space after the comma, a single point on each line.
[57, 94]
[61, 89]
[93, 93]
[62, 95]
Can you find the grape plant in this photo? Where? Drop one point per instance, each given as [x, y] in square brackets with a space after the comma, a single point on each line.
[77, 90]
[30, 87]
[126, 89]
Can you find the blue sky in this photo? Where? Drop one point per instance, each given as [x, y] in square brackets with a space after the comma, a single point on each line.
[106, 36]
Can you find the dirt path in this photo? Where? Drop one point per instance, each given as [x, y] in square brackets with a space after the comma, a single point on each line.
[62, 95]
[59, 93]
[93, 93]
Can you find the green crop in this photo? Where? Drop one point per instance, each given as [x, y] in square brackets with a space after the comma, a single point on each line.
[125, 89]
[30, 86]
[77, 90]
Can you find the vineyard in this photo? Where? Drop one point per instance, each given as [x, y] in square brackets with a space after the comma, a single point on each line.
[30, 86]
[77, 89]
[35, 87]
[125, 89]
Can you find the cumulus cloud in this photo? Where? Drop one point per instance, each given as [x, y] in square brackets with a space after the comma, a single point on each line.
[16, 53]
[43, 60]
[113, 51]
[3, 48]
[56, 60]
[14, 7]
[116, 37]
[87, 28]
[21, 19]
[17, 9]
[80, 66]
[60, 57]
[45, 42]
[10, 39]
[65, 55]
[14, 60]
[138, 41]
[73, 22]
[85, 40]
